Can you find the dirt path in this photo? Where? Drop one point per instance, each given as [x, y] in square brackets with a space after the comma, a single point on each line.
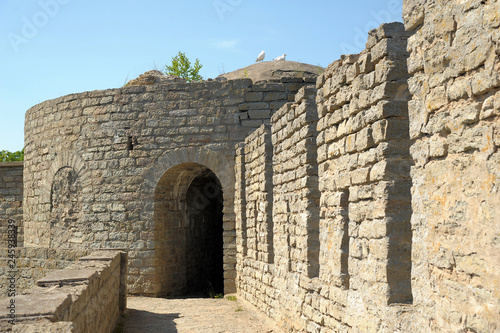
[147, 315]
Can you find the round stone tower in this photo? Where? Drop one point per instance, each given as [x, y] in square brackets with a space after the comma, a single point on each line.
[149, 168]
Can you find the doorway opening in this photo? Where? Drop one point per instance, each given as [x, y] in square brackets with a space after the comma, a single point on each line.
[189, 232]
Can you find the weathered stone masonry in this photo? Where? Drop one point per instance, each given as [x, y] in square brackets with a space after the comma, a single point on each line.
[454, 114]
[88, 296]
[11, 200]
[112, 169]
[33, 264]
[340, 186]
[406, 142]
[366, 203]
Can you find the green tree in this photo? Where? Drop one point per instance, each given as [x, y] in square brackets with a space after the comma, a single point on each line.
[7, 156]
[181, 67]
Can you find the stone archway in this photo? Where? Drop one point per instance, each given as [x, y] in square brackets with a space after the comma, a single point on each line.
[188, 219]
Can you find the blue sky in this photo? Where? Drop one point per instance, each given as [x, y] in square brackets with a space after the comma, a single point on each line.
[51, 48]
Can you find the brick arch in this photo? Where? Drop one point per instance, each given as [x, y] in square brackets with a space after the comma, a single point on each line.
[171, 175]
[217, 161]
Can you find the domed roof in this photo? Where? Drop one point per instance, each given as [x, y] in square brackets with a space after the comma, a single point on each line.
[274, 71]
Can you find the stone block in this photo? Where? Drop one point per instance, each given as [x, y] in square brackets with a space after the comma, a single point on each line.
[459, 88]
[390, 170]
[367, 158]
[352, 72]
[330, 134]
[436, 99]
[349, 59]
[476, 57]
[272, 96]
[350, 143]
[484, 81]
[251, 123]
[390, 70]
[365, 63]
[389, 129]
[253, 105]
[67, 277]
[305, 93]
[468, 114]
[415, 62]
[392, 48]
[50, 305]
[478, 138]
[360, 176]
[253, 96]
[396, 91]
[233, 101]
[320, 81]
[420, 152]
[389, 30]
[343, 180]
[259, 114]
[364, 139]
[488, 108]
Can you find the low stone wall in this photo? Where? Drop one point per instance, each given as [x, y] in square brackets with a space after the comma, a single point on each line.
[87, 296]
[33, 264]
[11, 202]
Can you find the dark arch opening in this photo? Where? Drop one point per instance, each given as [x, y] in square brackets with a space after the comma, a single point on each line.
[204, 242]
[189, 232]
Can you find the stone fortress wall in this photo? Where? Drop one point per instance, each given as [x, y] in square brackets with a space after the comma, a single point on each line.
[366, 203]
[385, 203]
[11, 201]
[337, 164]
[454, 65]
[100, 166]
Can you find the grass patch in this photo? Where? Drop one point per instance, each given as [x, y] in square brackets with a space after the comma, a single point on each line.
[231, 298]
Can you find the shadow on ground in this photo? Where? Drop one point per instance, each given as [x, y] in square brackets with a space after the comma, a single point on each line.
[140, 321]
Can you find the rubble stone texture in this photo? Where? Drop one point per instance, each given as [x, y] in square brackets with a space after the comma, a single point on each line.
[88, 296]
[454, 126]
[32, 264]
[11, 201]
[339, 165]
[368, 202]
[112, 169]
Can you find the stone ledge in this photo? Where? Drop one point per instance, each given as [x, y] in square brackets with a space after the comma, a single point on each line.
[99, 256]
[67, 276]
[35, 306]
[74, 295]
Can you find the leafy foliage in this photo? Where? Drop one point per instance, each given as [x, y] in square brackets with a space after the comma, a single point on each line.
[181, 67]
[7, 156]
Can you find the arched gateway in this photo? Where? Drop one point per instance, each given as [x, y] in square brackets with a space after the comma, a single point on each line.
[189, 231]
[193, 222]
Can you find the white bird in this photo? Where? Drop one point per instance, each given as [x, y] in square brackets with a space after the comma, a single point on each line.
[261, 56]
[281, 57]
